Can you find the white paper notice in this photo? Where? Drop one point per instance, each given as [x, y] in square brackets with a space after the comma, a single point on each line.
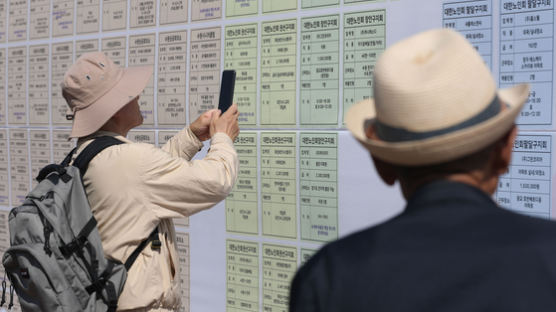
[62, 58]
[37, 85]
[17, 85]
[19, 165]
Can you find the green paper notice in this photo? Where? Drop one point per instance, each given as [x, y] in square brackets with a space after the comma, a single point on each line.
[242, 276]
[307, 4]
[306, 254]
[241, 7]
[270, 6]
[278, 73]
[364, 41]
[241, 205]
[279, 266]
[318, 184]
[278, 184]
[320, 58]
[240, 54]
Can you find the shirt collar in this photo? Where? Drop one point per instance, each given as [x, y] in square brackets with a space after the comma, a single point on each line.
[443, 191]
[100, 133]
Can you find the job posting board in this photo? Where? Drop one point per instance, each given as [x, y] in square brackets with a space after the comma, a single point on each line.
[301, 64]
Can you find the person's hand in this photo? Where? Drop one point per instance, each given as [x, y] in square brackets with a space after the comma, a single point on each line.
[200, 127]
[226, 123]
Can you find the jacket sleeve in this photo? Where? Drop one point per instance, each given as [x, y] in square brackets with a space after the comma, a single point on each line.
[177, 186]
[184, 144]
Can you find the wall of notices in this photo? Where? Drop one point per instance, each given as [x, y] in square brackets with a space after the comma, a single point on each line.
[301, 64]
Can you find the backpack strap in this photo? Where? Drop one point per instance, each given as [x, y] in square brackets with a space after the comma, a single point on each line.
[78, 242]
[102, 282]
[95, 147]
[68, 157]
[82, 162]
[60, 169]
[153, 237]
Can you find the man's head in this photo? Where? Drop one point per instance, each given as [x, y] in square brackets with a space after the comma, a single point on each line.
[96, 88]
[435, 105]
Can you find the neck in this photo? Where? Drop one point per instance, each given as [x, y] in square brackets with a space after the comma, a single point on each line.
[479, 179]
[115, 127]
[486, 183]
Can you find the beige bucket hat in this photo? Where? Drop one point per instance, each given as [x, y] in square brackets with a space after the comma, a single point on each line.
[434, 101]
[95, 88]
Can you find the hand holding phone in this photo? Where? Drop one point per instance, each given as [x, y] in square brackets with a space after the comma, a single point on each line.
[227, 90]
[226, 123]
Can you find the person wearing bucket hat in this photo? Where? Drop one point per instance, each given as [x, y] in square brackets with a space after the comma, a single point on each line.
[439, 126]
[134, 188]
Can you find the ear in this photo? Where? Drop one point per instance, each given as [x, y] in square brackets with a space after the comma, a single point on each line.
[118, 115]
[503, 151]
[385, 170]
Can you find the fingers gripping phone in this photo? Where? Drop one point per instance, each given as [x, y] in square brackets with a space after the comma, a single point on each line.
[227, 90]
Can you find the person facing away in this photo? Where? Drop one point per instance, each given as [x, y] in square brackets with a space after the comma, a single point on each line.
[135, 187]
[437, 125]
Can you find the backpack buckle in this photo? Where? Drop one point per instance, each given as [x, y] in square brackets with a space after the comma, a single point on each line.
[68, 249]
[156, 244]
[96, 286]
[73, 246]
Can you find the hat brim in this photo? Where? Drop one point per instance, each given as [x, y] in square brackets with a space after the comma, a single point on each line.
[440, 148]
[88, 120]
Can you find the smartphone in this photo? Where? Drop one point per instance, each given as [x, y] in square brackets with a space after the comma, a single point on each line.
[227, 90]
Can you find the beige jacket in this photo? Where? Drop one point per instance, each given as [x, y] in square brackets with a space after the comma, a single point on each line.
[134, 187]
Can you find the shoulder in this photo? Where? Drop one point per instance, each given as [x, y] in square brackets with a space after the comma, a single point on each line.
[328, 270]
[345, 252]
[127, 155]
[127, 149]
[531, 229]
[131, 147]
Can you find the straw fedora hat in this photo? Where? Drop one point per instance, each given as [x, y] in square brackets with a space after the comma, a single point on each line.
[434, 101]
[95, 88]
